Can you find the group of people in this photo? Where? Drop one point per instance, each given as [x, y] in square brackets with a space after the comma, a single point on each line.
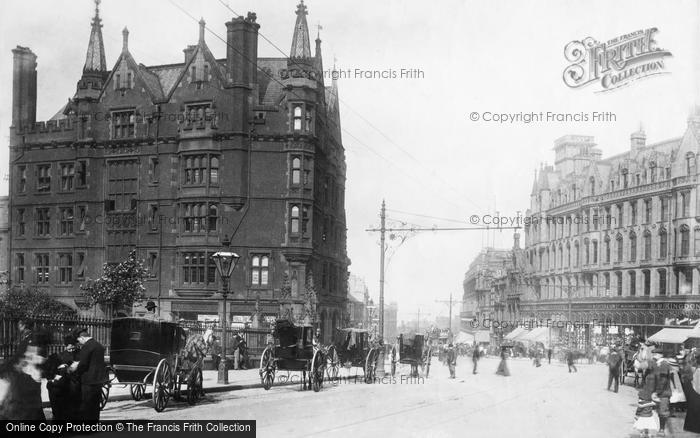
[74, 377]
[667, 381]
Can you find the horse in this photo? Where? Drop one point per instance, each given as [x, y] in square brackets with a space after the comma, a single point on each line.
[641, 360]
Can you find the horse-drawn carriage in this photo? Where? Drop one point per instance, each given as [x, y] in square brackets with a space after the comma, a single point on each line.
[352, 348]
[293, 349]
[147, 352]
[414, 352]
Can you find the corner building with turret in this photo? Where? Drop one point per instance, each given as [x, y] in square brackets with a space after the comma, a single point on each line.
[168, 159]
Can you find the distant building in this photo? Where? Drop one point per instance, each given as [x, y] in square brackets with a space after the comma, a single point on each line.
[358, 298]
[390, 321]
[477, 301]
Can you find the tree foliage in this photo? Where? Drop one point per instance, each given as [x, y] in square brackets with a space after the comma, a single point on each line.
[120, 285]
[25, 302]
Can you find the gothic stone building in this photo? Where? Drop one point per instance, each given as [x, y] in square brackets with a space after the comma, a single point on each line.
[168, 159]
[616, 239]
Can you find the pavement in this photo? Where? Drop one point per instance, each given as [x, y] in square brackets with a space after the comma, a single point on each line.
[238, 380]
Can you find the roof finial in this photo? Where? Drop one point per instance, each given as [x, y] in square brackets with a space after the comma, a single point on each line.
[202, 26]
[125, 40]
[95, 57]
[319, 28]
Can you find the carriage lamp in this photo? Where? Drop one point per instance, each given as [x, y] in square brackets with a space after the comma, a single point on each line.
[225, 262]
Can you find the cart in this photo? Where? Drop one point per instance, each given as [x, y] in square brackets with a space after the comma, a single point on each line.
[351, 347]
[293, 349]
[146, 352]
[414, 352]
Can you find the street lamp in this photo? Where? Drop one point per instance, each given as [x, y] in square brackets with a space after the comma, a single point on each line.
[225, 264]
[370, 315]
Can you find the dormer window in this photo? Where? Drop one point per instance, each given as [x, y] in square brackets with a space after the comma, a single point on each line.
[123, 124]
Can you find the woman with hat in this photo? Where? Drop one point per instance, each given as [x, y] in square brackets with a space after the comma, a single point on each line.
[151, 308]
[63, 387]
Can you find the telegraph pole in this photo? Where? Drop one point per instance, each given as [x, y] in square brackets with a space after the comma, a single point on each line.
[381, 270]
[450, 302]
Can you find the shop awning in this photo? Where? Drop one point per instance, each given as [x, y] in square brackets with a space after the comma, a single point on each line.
[464, 338]
[482, 336]
[538, 334]
[672, 335]
[517, 332]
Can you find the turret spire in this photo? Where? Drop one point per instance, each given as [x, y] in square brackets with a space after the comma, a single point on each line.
[202, 26]
[301, 48]
[95, 59]
[125, 40]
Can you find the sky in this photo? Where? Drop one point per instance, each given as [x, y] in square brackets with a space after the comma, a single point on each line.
[408, 141]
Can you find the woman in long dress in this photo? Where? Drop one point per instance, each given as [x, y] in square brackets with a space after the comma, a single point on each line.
[692, 413]
[503, 365]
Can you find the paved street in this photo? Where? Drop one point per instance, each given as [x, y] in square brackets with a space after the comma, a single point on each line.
[537, 402]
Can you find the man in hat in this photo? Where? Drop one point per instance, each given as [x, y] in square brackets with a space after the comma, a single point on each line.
[451, 359]
[614, 362]
[92, 371]
[151, 311]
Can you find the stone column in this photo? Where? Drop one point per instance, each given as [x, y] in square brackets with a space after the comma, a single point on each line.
[696, 281]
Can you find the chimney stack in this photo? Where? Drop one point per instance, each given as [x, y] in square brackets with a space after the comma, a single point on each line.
[23, 88]
[242, 50]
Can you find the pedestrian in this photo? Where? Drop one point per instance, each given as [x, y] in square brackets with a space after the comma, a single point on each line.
[549, 356]
[476, 355]
[151, 311]
[91, 370]
[63, 387]
[614, 361]
[663, 379]
[570, 360]
[236, 351]
[646, 418]
[243, 348]
[451, 360]
[537, 361]
[20, 377]
[692, 416]
[503, 365]
[216, 352]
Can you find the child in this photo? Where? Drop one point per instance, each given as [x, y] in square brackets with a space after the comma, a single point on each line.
[646, 418]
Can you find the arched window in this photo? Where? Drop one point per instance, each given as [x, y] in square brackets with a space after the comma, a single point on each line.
[586, 248]
[633, 283]
[607, 249]
[633, 247]
[296, 171]
[685, 240]
[259, 275]
[620, 248]
[663, 243]
[295, 220]
[214, 171]
[297, 117]
[577, 254]
[591, 182]
[647, 245]
[189, 171]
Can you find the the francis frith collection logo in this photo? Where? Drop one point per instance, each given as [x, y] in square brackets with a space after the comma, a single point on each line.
[616, 62]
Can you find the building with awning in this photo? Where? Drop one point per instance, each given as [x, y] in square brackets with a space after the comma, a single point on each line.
[674, 335]
[515, 333]
[464, 338]
[482, 336]
[538, 334]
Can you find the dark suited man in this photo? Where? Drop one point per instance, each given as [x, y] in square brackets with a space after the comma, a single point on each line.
[93, 373]
[614, 362]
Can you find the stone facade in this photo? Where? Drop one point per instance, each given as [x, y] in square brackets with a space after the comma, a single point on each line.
[616, 239]
[167, 160]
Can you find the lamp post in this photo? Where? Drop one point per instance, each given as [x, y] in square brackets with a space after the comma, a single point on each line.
[225, 264]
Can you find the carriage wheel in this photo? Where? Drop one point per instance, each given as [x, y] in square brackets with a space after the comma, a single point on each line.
[318, 364]
[137, 391]
[267, 368]
[371, 365]
[332, 365]
[162, 385]
[104, 395]
[394, 359]
[194, 386]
